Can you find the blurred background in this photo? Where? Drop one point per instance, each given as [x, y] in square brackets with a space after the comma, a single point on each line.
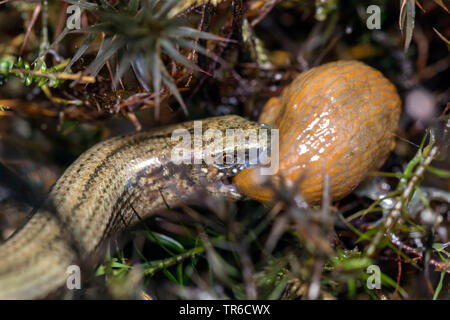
[77, 72]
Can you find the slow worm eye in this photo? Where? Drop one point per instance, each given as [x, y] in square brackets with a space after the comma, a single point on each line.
[224, 161]
[227, 159]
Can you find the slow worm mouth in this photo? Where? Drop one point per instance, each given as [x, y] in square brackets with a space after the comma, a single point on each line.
[230, 189]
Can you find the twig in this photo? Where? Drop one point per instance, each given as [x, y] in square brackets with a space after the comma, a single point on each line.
[395, 213]
[327, 49]
[399, 273]
[44, 31]
[34, 17]
[248, 271]
[266, 8]
[166, 263]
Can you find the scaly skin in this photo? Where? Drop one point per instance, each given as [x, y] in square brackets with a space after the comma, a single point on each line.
[99, 195]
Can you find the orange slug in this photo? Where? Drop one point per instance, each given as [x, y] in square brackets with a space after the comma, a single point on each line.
[338, 119]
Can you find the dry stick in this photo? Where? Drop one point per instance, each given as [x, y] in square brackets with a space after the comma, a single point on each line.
[266, 8]
[49, 95]
[395, 213]
[108, 66]
[251, 290]
[169, 262]
[36, 12]
[430, 71]
[117, 71]
[399, 273]
[54, 76]
[439, 265]
[192, 53]
[44, 30]
[327, 49]
[314, 287]
[248, 269]
[61, 23]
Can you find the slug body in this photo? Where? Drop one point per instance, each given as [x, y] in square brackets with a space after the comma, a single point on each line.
[100, 194]
[339, 120]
